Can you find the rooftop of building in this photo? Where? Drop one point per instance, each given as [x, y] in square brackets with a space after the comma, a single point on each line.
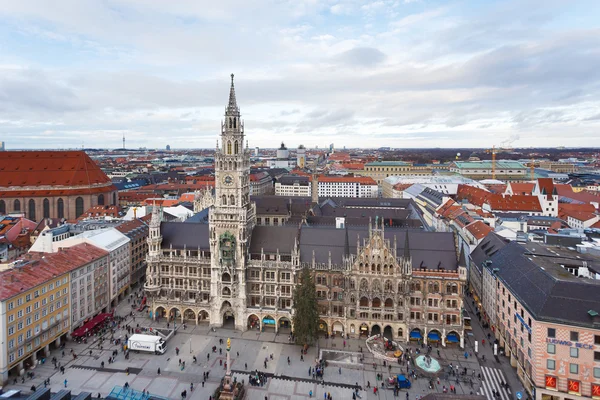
[387, 164]
[294, 179]
[432, 179]
[35, 269]
[504, 164]
[536, 274]
[52, 169]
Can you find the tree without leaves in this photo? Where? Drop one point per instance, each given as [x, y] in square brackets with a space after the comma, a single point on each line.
[306, 314]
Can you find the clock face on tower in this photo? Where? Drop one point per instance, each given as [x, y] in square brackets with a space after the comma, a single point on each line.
[228, 180]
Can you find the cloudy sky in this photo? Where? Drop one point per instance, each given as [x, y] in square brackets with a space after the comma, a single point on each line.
[357, 73]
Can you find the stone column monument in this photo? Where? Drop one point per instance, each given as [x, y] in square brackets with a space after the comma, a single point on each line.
[228, 385]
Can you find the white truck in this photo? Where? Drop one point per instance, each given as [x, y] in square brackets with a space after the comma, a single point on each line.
[148, 343]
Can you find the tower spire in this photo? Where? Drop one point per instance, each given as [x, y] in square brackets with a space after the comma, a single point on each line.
[232, 107]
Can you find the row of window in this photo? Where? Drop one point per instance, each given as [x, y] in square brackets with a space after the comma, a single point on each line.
[12, 356]
[36, 294]
[60, 207]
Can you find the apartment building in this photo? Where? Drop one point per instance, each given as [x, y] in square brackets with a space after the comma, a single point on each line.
[137, 232]
[347, 186]
[110, 239]
[35, 305]
[293, 185]
[503, 170]
[546, 318]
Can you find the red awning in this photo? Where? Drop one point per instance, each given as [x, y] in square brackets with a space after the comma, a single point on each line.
[91, 325]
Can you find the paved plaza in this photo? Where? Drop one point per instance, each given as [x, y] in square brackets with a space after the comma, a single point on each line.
[248, 353]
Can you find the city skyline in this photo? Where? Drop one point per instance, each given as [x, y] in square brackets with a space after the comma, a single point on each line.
[405, 74]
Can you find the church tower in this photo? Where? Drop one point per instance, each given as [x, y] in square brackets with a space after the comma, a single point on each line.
[231, 220]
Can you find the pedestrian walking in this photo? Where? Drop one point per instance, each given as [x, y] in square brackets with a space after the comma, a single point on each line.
[158, 372]
[65, 383]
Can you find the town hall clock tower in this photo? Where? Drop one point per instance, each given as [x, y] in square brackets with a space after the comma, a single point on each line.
[231, 221]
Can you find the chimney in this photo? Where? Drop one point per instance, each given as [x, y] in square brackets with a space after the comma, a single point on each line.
[315, 188]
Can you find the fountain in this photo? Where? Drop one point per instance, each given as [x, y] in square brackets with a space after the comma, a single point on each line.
[383, 348]
[428, 364]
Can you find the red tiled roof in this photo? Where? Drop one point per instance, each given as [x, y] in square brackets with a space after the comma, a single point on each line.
[581, 216]
[59, 170]
[258, 176]
[596, 225]
[546, 186]
[178, 186]
[583, 197]
[42, 267]
[566, 209]
[514, 203]
[187, 197]
[498, 202]
[444, 208]
[402, 186]
[478, 229]
[339, 156]
[134, 196]
[472, 194]
[129, 226]
[522, 188]
[496, 187]
[353, 166]
[161, 202]
[103, 211]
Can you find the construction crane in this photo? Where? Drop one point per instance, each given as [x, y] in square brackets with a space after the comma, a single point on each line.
[493, 151]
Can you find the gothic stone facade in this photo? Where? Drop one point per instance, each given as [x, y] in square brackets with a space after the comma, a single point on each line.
[405, 284]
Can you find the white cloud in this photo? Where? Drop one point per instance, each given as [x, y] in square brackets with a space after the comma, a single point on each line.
[158, 72]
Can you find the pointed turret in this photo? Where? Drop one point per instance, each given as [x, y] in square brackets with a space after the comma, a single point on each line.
[462, 259]
[156, 217]
[346, 243]
[406, 248]
[232, 107]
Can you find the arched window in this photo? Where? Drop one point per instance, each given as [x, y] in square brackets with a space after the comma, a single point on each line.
[224, 200]
[228, 147]
[235, 164]
[78, 207]
[46, 208]
[17, 205]
[2, 207]
[31, 211]
[60, 208]
[236, 147]
[114, 203]
[232, 200]
[230, 123]
[101, 200]
[234, 123]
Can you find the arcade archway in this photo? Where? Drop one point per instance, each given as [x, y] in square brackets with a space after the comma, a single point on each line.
[323, 327]
[228, 316]
[203, 317]
[285, 325]
[189, 315]
[159, 313]
[375, 330]
[253, 322]
[388, 332]
[364, 329]
[268, 324]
